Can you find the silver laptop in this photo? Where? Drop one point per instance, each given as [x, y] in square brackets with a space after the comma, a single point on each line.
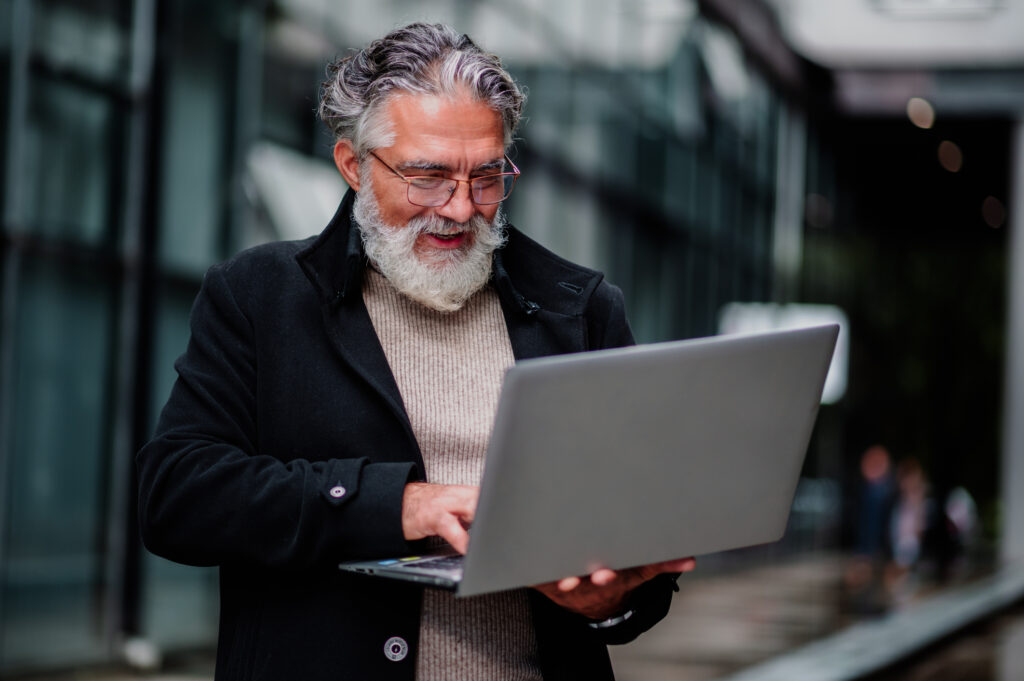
[633, 456]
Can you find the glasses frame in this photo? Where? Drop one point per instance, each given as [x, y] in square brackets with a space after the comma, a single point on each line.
[408, 179]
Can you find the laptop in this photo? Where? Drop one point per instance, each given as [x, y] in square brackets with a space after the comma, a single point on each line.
[626, 457]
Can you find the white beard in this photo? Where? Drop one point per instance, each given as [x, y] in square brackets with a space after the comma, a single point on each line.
[445, 279]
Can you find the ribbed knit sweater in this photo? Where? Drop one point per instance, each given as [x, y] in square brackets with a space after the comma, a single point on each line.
[449, 367]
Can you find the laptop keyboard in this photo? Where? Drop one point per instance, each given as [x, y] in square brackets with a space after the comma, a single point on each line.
[441, 562]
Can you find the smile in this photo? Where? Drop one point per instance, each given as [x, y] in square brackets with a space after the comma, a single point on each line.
[447, 240]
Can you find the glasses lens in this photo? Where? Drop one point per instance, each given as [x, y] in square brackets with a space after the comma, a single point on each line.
[430, 191]
[493, 188]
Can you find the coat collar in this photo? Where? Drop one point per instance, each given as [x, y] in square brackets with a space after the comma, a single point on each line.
[334, 262]
[528, 277]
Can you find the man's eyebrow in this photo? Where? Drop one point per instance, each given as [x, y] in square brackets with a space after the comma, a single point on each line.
[419, 164]
[496, 164]
[434, 166]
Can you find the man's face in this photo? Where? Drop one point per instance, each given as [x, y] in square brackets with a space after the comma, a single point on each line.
[438, 256]
[458, 138]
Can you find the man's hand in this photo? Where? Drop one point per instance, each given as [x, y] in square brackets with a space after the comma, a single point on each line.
[444, 511]
[604, 593]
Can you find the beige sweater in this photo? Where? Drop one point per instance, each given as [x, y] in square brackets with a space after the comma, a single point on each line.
[449, 368]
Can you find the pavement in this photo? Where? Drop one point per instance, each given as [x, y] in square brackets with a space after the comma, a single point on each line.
[724, 620]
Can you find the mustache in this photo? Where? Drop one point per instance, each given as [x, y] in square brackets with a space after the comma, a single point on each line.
[438, 224]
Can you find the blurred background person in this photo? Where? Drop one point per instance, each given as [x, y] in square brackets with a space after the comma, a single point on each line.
[910, 524]
[864, 575]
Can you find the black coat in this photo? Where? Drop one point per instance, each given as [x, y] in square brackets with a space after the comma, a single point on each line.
[284, 393]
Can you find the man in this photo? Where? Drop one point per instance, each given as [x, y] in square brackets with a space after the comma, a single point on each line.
[337, 394]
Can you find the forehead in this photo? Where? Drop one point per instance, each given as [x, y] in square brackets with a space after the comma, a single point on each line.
[457, 131]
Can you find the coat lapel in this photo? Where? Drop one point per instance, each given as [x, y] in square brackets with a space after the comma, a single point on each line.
[351, 331]
[334, 264]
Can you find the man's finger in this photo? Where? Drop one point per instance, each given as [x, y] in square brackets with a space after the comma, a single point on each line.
[451, 530]
[568, 584]
[427, 508]
[467, 510]
[603, 577]
[681, 565]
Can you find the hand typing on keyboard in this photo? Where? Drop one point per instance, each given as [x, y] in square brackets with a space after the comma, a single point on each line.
[445, 511]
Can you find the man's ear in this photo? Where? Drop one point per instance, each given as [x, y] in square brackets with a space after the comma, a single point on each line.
[347, 161]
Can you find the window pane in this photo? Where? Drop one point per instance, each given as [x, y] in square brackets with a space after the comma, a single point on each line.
[5, 97]
[194, 146]
[180, 601]
[82, 38]
[59, 438]
[111, 9]
[6, 19]
[68, 162]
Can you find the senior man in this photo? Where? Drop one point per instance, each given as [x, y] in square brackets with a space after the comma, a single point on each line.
[337, 394]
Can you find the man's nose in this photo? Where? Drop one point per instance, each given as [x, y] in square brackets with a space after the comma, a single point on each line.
[460, 207]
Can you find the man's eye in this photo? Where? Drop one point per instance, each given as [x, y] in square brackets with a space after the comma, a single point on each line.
[427, 182]
[485, 182]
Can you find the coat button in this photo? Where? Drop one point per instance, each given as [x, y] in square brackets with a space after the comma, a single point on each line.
[396, 649]
[337, 491]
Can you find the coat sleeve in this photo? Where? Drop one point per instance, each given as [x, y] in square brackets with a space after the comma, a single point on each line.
[648, 605]
[208, 497]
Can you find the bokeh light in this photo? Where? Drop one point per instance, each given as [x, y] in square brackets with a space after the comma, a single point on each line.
[993, 212]
[818, 211]
[921, 112]
[950, 156]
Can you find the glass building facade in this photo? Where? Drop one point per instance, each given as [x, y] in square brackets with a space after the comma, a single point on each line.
[144, 140]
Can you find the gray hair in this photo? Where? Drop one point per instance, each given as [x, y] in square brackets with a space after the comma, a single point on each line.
[431, 59]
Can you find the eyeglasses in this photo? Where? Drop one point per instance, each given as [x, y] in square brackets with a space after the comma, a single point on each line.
[432, 191]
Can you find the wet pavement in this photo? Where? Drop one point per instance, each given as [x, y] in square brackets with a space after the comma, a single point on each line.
[723, 621]
[799, 620]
